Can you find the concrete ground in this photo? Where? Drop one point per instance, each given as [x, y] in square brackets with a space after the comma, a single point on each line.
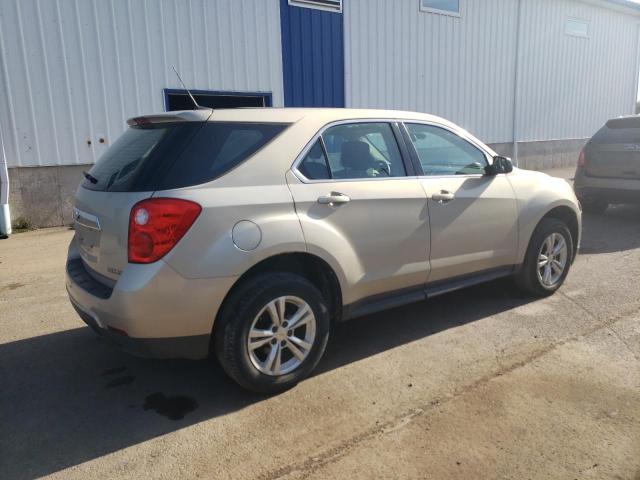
[480, 383]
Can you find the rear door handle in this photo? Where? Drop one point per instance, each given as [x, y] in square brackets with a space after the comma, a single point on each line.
[444, 196]
[334, 198]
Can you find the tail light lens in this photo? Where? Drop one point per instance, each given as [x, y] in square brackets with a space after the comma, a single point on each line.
[156, 225]
[581, 158]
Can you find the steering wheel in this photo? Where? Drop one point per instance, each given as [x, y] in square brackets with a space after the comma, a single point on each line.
[384, 167]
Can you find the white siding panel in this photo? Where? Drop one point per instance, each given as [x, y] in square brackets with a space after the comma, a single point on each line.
[570, 85]
[73, 70]
[460, 68]
[464, 68]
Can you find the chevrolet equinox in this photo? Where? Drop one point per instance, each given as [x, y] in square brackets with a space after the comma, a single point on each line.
[249, 232]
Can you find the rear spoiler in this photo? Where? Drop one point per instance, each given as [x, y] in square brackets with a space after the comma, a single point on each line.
[173, 117]
[632, 121]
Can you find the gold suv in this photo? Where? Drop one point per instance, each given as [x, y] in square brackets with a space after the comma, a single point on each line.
[249, 232]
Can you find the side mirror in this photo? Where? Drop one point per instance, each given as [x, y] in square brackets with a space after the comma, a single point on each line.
[500, 165]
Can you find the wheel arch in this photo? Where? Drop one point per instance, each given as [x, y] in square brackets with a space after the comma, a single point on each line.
[562, 212]
[569, 217]
[307, 265]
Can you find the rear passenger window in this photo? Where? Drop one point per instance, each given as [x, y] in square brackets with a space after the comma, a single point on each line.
[442, 152]
[363, 150]
[353, 151]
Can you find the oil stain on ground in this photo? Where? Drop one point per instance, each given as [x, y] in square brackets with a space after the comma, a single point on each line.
[174, 408]
[12, 286]
[119, 381]
[113, 371]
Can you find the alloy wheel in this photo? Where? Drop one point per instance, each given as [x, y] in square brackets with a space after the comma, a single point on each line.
[281, 335]
[552, 260]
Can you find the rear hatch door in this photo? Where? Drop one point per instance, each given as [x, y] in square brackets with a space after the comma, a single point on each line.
[156, 154]
[102, 225]
[614, 152]
[129, 171]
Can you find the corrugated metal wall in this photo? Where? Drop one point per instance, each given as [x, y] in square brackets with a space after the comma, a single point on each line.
[73, 70]
[464, 68]
[460, 68]
[569, 85]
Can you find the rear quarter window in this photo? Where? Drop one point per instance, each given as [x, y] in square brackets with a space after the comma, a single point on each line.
[218, 148]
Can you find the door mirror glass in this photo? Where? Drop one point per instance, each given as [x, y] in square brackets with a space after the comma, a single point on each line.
[500, 165]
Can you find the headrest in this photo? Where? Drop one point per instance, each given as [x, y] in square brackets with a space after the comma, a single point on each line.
[356, 155]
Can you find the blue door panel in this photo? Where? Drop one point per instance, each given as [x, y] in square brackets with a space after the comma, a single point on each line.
[312, 57]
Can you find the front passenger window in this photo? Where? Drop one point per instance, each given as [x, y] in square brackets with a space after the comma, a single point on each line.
[442, 152]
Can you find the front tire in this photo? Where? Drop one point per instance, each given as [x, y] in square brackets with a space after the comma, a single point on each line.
[272, 332]
[548, 258]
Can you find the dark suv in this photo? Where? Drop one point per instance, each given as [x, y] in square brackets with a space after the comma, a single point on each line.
[609, 166]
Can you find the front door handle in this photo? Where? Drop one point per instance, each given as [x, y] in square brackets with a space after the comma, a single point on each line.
[444, 196]
[334, 198]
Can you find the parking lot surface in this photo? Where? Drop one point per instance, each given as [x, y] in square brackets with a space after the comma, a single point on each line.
[480, 383]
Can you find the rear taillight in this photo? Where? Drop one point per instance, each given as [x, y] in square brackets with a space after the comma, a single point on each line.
[156, 225]
[581, 158]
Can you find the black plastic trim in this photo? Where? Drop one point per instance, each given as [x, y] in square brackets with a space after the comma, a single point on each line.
[449, 285]
[383, 301]
[409, 166]
[411, 148]
[610, 195]
[398, 298]
[81, 277]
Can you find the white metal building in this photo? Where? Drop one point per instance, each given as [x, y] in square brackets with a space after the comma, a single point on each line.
[535, 78]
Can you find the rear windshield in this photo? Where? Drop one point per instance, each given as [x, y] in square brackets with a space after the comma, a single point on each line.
[619, 130]
[177, 155]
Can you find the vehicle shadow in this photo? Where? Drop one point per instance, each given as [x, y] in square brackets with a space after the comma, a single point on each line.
[615, 230]
[69, 397]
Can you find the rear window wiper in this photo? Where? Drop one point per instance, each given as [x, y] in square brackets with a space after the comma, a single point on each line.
[90, 177]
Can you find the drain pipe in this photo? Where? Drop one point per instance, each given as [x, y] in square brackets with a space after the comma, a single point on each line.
[516, 87]
[5, 215]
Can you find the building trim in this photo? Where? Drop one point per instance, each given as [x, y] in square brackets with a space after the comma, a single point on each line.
[516, 84]
[624, 6]
[439, 11]
[635, 94]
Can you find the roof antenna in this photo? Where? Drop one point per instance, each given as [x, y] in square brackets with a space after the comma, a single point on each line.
[198, 107]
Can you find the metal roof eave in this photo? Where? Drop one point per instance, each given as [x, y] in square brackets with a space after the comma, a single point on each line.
[624, 6]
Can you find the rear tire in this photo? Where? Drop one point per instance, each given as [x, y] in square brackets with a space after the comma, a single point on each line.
[254, 341]
[548, 259]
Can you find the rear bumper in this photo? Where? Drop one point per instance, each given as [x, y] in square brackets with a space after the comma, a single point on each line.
[152, 311]
[194, 347]
[612, 190]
